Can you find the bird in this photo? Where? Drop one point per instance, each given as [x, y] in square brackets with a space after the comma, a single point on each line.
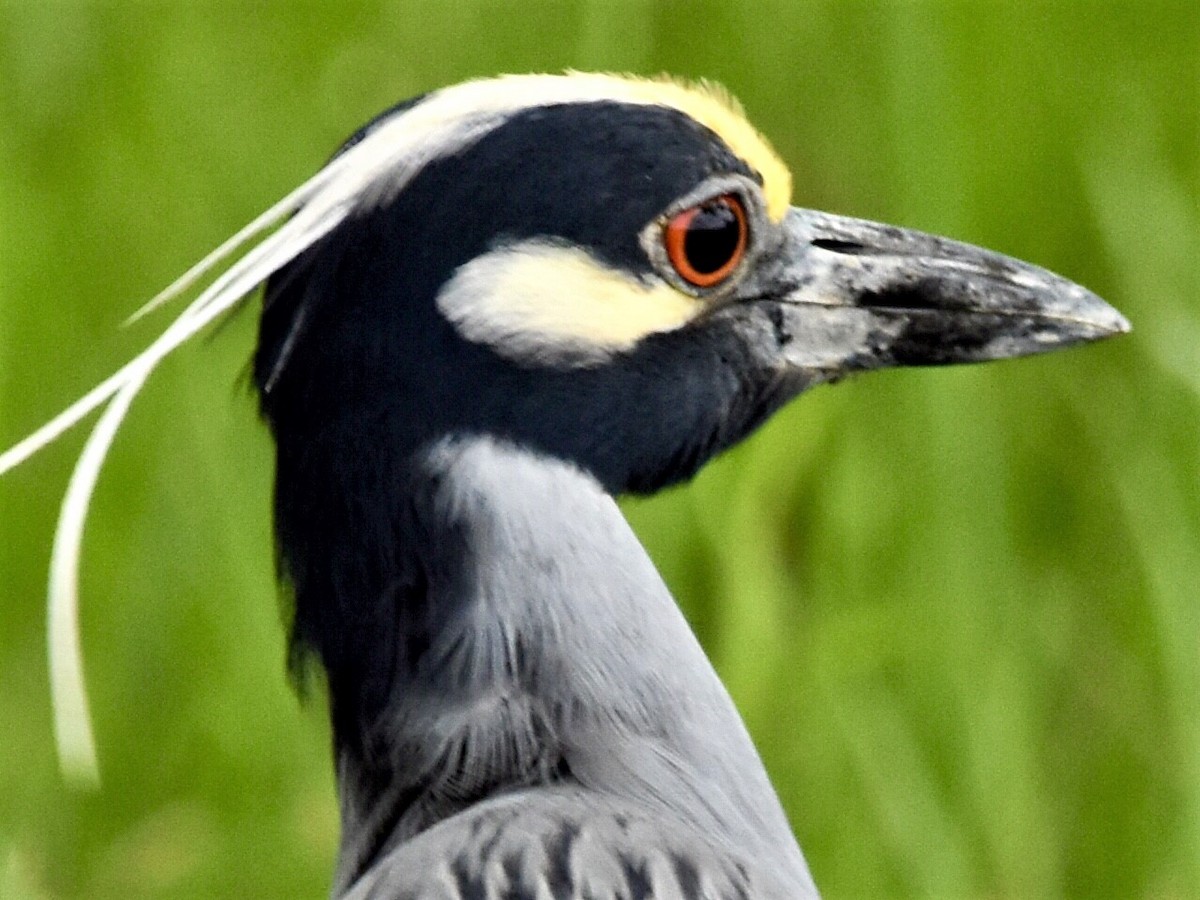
[499, 306]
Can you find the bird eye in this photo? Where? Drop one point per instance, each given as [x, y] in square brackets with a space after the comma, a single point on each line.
[706, 242]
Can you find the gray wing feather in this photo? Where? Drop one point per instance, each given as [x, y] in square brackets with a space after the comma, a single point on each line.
[562, 844]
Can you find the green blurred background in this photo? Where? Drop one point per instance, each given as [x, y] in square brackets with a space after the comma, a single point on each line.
[960, 609]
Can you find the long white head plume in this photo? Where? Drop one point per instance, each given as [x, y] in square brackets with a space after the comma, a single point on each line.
[73, 734]
[367, 173]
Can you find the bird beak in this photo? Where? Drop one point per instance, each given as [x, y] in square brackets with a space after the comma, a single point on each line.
[854, 295]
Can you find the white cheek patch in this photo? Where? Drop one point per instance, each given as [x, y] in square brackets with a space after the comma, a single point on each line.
[544, 303]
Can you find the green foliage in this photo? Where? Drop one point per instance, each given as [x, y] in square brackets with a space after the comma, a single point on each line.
[958, 608]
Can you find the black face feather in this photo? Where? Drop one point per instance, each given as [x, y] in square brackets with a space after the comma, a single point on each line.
[351, 337]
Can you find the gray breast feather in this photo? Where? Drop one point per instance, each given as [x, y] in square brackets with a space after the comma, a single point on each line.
[562, 844]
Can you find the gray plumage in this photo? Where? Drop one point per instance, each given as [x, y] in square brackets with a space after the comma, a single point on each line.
[569, 646]
[567, 843]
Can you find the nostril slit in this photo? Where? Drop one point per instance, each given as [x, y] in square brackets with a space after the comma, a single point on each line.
[836, 246]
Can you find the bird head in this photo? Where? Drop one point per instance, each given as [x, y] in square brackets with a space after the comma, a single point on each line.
[607, 270]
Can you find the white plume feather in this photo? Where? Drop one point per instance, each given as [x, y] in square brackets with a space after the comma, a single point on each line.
[366, 174]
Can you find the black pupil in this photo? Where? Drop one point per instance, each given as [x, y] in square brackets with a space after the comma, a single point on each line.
[712, 237]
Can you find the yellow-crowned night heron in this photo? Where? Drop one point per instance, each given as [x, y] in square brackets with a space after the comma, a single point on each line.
[500, 305]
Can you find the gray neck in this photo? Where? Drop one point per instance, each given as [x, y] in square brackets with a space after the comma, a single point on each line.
[561, 655]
